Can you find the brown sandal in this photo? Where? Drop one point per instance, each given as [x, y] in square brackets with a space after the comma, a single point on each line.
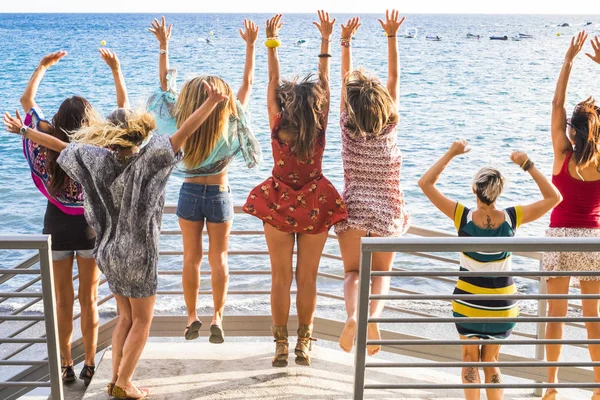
[280, 334]
[304, 345]
[120, 393]
[109, 389]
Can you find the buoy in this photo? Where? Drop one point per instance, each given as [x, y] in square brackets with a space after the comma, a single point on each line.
[211, 33]
[103, 43]
[558, 34]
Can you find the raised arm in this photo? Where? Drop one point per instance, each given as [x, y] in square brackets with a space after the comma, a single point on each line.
[15, 125]
[198, 117]
[325, 26]
[430, 178]
[551, 195]
[163, 35]
[249, 35]
[390, 26]
[273, 26]
[112, 61]
[348, 32]
[560, 142]
[28, 97]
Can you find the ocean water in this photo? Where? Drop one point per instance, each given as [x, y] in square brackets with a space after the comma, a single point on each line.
[495, 94]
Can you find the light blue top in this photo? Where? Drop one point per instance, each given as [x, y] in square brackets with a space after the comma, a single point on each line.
[238, 138]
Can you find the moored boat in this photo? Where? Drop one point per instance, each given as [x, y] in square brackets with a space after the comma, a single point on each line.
[498, 37]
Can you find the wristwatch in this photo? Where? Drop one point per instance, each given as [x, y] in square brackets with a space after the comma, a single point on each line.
[23, 130]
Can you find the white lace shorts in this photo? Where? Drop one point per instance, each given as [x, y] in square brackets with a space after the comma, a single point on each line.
[573, 261]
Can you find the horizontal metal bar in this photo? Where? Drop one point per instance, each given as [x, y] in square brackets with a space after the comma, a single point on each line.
[20, 294]
[24, 242]
[441, 320]
[208, 272]
[22, 340]
[484, 273]
[232, 233]
[24, 383]
[485, 297]
[404, 386]
[478, 244]
[22, 363]
[499, 364]
[13, 271]
[232, 292]
[491, 342]
[21, 317]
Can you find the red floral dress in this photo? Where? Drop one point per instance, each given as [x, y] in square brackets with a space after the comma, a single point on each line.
[297, 198]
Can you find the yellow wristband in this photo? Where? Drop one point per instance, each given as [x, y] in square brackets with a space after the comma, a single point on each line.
[522, 165]
[273, 43]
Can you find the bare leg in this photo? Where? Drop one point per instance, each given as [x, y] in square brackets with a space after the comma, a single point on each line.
[380, 285]
[590, 309]
[192, 257]
[218, 243]
[554, 330]
[141, 316]
[120, 333]
[310, 248]
[281, 252]
[350, 248]
[89, 277]
[471, 374]
[65, 298]
[490, 353]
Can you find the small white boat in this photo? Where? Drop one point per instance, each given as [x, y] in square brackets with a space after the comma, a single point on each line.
[472, 36]
[525, 36]
[301, 42]
[434, 38]
[411, 33]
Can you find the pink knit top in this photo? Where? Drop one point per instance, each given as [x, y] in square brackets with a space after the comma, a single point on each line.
[372, 191]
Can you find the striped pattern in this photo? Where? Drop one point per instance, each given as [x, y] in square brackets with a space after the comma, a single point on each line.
[372, 192]
[479, 261]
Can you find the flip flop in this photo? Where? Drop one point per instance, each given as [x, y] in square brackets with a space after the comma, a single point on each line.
[191, 331]
[216, 334]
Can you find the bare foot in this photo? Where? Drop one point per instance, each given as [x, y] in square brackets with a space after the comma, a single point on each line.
[551, 394]
[373, 334]
[348, 335]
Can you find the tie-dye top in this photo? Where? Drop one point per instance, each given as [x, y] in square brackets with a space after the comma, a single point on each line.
[239, 137]
[69, 199]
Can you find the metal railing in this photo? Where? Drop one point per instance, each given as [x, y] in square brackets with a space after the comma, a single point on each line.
[51, 366]
[437, 245]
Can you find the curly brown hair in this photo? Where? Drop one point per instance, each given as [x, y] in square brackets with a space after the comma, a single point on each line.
[303, 103]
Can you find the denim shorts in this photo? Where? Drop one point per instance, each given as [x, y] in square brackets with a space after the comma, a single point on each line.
[63, 255]
[200, 202]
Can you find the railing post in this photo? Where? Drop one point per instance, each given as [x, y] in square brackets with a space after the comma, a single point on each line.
[541, 326]
[364, 290]
[50, 321]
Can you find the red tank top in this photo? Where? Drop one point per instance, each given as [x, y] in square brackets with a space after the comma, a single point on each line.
[580, 207]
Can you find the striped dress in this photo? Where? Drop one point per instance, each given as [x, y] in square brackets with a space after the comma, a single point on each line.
[477, 261]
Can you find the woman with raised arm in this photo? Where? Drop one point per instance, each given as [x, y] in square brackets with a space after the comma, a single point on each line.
[369, 118]
[576, 173]
[485, 220]
[124, 189]
[297, 204]
[205, 197]
[72, 237]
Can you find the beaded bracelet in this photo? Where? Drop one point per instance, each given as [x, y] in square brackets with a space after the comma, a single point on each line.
[324, 55]
[162, 51]
[345, 42]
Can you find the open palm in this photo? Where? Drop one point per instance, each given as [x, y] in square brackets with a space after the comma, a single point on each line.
[596, 46]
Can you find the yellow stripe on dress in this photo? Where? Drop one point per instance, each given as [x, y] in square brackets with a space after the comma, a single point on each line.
[472, 289]
[487, 313]
[458, 213]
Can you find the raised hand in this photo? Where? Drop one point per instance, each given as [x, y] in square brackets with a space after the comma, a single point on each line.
[518, 157]
[273, 26]
[160, 30]
[596, 46]
[13, 124]
[577, 43]
[325, 25]
[214, 95]
[392, 22]
[459, 147]
[251, 32]
[110, 59]
[52, 59]
[350, 28]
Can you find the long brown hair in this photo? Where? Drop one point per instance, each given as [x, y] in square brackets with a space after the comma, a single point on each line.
[203, 141]
[302, 105]
[369, 106]
[586, 123]
[71, 115]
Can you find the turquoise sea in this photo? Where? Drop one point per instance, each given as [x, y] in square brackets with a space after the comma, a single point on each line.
[496, 94]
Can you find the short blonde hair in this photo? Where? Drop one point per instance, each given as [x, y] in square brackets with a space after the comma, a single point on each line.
[488, 185]
[369, 106]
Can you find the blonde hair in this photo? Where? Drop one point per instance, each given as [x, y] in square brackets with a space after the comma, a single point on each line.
[302, 104]
[203, 141]
[369, 106]
[122, 128]
[488, 185]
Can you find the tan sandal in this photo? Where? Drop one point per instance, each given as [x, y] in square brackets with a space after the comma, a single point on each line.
[119, 393]
[109, 389]
[304, 345]
[280, 334]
